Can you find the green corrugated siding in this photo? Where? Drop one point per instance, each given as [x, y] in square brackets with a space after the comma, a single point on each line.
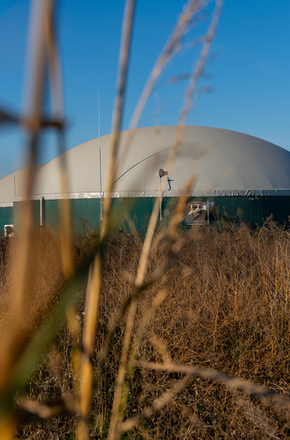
[256, 210]
[51, 216]
[137, 211]
[134, 212]
[6, 217]
[85, 214]
[17, 213]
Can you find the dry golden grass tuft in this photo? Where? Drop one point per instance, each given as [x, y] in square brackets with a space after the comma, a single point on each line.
[49, 280]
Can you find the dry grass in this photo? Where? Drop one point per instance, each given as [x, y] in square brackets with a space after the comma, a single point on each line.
[225, 307]
[49, 279]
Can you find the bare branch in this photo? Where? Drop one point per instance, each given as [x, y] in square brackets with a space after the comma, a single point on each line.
[232, 383]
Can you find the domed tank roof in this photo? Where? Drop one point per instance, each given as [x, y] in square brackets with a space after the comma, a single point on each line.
[223, 162]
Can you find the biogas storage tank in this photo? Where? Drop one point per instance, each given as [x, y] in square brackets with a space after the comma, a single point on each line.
[231, 171]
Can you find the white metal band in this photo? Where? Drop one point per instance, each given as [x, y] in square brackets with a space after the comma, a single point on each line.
[138, 194]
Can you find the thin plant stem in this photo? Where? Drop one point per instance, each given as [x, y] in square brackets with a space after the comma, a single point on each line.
[11, 346]
[91, 317]
[156, 406]
[279, 402]
[119, 104]
[95, 284]
[57, 110]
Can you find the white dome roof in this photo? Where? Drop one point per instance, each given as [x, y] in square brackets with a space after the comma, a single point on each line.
[224, 163]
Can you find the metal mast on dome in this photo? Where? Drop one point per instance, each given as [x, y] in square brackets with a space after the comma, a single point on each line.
[100, 162]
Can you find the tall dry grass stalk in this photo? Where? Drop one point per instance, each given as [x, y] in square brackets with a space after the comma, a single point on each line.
[173, 307]
[94, 286]
[14, 341]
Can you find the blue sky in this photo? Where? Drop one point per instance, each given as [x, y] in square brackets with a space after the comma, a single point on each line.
[248, 73]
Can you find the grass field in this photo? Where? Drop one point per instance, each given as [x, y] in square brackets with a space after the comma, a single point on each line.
[222, 303]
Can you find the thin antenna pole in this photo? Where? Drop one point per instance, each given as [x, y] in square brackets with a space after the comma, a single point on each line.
[14, 170]
[100, 161]
[13, 158]
[160, 197]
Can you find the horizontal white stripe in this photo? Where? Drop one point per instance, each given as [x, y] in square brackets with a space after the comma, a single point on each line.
[140, 194]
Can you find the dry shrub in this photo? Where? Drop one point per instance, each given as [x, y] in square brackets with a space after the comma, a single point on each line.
[226, 307]
[48, 282]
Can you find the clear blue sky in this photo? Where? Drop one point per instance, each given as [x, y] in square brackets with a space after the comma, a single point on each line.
[249, 73]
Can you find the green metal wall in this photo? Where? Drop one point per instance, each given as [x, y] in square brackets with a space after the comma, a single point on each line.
[137, 211]
[132, 212]
[17, 207]
[6, 217]
[85, 214]
[255, 210]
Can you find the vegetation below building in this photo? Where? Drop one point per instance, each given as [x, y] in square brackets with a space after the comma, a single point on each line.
[224, 303]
